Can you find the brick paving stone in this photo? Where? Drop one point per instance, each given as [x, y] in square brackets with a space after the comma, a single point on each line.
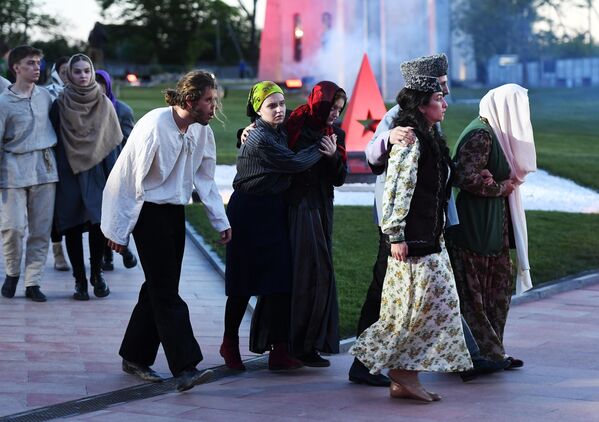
[63, 350]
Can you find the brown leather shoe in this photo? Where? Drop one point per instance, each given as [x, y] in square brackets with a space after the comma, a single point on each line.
[142, 371]
[192, 377]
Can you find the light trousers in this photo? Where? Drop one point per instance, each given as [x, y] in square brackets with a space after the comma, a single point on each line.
[30, 208]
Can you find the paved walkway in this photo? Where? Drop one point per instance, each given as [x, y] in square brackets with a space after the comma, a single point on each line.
[65, 350]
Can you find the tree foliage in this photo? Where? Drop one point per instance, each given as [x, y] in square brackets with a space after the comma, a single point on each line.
[507, 27]
[181, 31]
[18, 17]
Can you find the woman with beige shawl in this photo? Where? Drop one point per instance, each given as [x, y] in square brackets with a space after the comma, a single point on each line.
[499, 142]
[88, 132]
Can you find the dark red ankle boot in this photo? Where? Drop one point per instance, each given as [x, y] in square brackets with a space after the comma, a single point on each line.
[229, 350]
[280, 360]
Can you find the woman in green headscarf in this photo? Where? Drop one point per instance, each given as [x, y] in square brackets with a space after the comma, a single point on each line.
[259, 258]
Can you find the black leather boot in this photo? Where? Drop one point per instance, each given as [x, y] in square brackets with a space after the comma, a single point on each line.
[81, 289]
[100, 287]
[129, 260]
[107, 264]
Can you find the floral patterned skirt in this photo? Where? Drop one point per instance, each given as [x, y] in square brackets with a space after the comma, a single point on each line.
[419, 326]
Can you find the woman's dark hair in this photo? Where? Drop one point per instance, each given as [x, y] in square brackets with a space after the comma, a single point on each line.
[60, 62]
[410, 101]
[340, 94]
[80, 58]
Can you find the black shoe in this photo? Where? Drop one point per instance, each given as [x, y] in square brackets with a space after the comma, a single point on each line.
[468, 375]
[314, 360]
[190, 378]
[10, 286]
[81, 289]
[359, 374]
[107, 264]
[142, 371]
[129, 260]
[34, 293]
[513, 363]
[100, 287]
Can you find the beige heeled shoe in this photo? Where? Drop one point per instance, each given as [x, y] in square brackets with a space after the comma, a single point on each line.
[414, 392]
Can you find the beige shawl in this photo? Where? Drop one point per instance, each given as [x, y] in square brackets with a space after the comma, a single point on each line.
[507, 110]
[89, 126]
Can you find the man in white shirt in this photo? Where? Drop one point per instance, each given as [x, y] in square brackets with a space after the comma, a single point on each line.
[28, 173]
[170, 151]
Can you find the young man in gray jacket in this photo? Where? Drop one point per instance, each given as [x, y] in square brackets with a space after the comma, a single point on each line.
[27, 173]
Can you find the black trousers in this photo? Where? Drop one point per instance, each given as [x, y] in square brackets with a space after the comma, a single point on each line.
[372, 305]
[270, 320]
[161, 316]
[74, 243]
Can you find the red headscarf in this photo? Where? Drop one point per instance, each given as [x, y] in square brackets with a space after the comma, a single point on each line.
[314, 114]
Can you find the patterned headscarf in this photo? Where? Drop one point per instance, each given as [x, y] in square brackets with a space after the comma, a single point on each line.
[259, 93]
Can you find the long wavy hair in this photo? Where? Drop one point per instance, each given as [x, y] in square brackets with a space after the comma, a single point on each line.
[410, 101]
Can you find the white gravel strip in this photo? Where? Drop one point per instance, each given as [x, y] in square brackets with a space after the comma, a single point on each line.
[541, 191]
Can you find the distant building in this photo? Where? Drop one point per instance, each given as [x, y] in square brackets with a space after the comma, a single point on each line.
[325, 39]
[578, 72]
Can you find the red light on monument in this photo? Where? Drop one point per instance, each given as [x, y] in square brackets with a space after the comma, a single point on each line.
[293, 83]
[298, 34]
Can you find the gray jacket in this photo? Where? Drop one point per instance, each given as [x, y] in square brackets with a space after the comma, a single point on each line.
[27, 140]
[4, 83]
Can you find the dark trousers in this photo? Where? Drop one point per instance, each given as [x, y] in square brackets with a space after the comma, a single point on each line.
[270, 320]
[372, 305]
[161, 316]
[74, 243]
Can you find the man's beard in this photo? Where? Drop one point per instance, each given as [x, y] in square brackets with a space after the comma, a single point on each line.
[200, 117]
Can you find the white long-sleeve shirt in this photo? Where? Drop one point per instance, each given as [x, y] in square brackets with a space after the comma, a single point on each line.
[159, 164]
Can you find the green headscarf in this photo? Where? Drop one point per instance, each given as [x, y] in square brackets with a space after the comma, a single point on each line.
[258, 94]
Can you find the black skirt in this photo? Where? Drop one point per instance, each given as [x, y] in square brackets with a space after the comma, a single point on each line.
[258, 255]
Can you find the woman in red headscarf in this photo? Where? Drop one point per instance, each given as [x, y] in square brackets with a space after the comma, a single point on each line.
[314, 308]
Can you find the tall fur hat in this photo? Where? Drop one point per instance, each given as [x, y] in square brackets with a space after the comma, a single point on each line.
[427, 65]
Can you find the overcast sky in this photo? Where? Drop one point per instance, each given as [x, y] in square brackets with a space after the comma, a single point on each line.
[80, 16]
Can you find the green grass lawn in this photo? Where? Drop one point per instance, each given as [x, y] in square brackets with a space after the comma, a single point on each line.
[563, 119]
[559, 243]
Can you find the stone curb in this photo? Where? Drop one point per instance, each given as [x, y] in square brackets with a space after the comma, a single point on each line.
[561, 285]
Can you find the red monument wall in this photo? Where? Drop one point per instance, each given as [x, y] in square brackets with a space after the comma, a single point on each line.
[292, 27]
